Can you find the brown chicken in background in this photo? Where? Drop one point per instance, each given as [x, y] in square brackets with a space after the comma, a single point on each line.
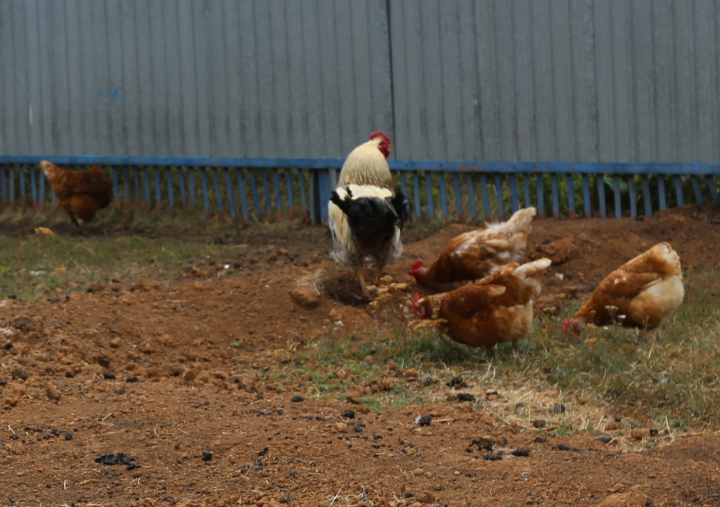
[479, 253]
[496, 309]
[80, 194]
[638, 294]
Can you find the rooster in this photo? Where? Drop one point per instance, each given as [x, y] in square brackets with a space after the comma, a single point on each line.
[475, 254]
[638, 294]
[80, 194]
[496, 309]
[366, 216]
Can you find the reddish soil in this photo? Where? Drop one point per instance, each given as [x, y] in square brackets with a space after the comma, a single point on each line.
[146, 369]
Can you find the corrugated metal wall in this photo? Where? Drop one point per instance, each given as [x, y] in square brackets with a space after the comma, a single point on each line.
[222, 78]
[502, 80]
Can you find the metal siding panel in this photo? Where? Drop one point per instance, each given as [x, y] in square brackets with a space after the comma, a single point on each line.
[583, 70]
[487, 65]
[75, 79]
[706, 81]
[663, 50]
[173, 73]
[685, 79]
[146, 76]
[297, 93]
[432, 122]
[158, 58]
[132, 91]
[504, 45]
[604, 81]
[523, 81]
[562, 79]
[451, 81]
[281, 83]
[220, 113]
[644, 94]
[5, 101]
[378, 59]
[204, 98]
[34, 82]
[59, 79]
[312, 61]
[543, 81]
[470, 118]
[111, 95]
[624, 119]
[343, 72]
[189, 125]
[329, 81]
[20, 78]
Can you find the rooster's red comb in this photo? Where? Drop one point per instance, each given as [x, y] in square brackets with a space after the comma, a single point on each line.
[415, 265]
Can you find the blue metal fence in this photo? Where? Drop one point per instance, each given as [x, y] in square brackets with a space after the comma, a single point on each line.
[266, 189]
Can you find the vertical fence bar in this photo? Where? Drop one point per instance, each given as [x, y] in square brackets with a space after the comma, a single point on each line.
[206, 197]
[278, 199]
[646, 196]
[540, 195]
[696, 190]
[416, 194]
[228, 187]
[458, 196]
[633, 196]
[171, 190]
[136, 177]
[403, 184]
[191, 186]
[288, 183]
[514, 198]
[3, 184]
[314, 191]
[146, 178]
[713, 189]
[443, 195]
[116, 189]
[21, 174]
[571, 195]
[41, 175]
[485, 197]
[587, 202]
[216, 185]
[301, 179]
[600, 179]
[324, 187]
[679, 191]
[526, 190]
[158, 187]
[11, 181]
[256, 197]
[243, 196]
[661, 192]
[471, 195]
[268, 199]
[618, 199]
[499, 194]
[429, 192]
[126, 181]
[555, 195]
[183, 192]
[33, 187]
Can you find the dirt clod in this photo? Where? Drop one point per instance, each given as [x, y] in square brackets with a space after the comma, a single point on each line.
[307, 297]
[52, 392]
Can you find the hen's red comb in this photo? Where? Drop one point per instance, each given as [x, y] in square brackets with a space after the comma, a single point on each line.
[566, 323]
[414, 266]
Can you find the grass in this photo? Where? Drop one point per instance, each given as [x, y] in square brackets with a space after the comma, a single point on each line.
[32, 266]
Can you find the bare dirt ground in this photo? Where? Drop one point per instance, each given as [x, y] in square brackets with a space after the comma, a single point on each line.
[147, 369]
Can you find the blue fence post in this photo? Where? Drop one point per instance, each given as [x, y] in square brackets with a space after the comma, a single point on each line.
[618, 199]
[646, 196]
[499, 194]
[633, 196]
[526, 190]
[514, 198]
[126, 181]
[661, 192]
[471, 194]
[268, 199]
[679, 191]
[278, 199]
[600, 179]
[571, 195]
[696, 190]
[228, 186]
[33, 188]
[158, 186]
[540, 195]
[206, 197]
[191, 186]
[288, 184]
[458, 196]
[443, 195]
[243, 195]
[183, 191]
[146, 180]
[3, 183]
[303, 198]
[713, 189]
[21, 175]
[136, 177]
[315, 211]
[416, 195]
[171, 190]
[256, 197]
[587, 202]
[323, 194]
[403, 184]
[116, 187]
[216, 185]
[11, 181]
[555, 190]
[41, 175]
[485, 197]
[429, 192]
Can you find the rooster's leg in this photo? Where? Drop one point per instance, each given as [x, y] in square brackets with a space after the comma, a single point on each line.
[516, 353]
[365, 293]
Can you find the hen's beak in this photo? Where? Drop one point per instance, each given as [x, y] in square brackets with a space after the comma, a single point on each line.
[390, 145]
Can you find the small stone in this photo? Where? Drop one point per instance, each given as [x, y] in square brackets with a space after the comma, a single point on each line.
[410, 373]
[348, 414]
[115, 342]
[340, 427]
[284, 252]
[538, 423]
[109, 375]
[297, 399]
[19, 373]
[424, 420]
[307, 297]
[207, 456]
[52, 392]
[465, 397]
[95, 287]
[640, 433]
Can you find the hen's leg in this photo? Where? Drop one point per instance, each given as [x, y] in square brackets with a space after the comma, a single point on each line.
[516, 353]
[378, 271]
[365, 293]
[74, 221]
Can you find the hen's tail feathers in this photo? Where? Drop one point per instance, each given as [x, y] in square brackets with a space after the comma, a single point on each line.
[530, 269]
[522, 220]
[660, 258]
